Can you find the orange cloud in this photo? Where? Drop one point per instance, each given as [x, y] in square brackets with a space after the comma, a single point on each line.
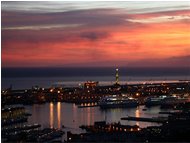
[96, 42]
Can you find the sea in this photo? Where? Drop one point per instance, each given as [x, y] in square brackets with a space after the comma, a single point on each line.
[22, 78]
[68, 114]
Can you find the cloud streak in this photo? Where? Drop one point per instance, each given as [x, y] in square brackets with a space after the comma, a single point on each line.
[161, 19]
[41, 27]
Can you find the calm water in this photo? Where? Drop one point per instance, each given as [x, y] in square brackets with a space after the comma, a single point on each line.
[69, 115]
[28, 82]
[21, 78]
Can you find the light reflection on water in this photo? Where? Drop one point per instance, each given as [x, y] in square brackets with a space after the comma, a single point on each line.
[51, 115]
[137, 114]
[59, 115]
[70, 115]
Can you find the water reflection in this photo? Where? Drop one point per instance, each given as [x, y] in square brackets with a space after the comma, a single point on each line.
[69, 115]
[88, 116]
[59, 115]
[51, 114]
[137, 114]
[74, 115]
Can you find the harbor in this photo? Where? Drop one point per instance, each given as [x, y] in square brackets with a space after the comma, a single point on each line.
[91, 112]
[95, 71]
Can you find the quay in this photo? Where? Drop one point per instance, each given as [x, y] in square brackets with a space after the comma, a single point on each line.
[168, 113]
[143, 119]
[106, 132]
[102, 126]
[83, 106]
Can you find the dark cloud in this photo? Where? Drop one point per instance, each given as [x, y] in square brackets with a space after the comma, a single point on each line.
[92, 17]
[162, 13]
[94, 36]
[85, 21]
[180, 61]
[51, 36]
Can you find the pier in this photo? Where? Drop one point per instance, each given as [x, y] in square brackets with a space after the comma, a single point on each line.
[143, 119]
[85, 106]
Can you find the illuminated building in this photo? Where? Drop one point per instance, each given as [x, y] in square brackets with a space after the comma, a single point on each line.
[90, 84]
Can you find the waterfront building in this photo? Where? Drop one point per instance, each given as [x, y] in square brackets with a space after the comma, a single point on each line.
[90, 84]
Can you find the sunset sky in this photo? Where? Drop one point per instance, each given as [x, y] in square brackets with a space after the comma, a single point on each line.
[95, 34]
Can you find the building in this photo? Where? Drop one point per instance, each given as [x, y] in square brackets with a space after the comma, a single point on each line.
[90, 84]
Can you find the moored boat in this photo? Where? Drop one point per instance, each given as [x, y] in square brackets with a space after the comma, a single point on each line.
[154, 101]
[165, 101]
[118, 102]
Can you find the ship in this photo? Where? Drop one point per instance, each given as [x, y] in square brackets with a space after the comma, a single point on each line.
[154, 101]
[164, 100]
[117, 102]
[172, 101]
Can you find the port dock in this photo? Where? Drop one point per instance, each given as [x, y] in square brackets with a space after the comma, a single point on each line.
[143, 119]
[85, 106]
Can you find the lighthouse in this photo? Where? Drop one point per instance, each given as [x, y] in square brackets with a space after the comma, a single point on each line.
[117, 76]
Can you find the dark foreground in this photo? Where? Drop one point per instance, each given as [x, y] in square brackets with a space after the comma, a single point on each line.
[175, 128]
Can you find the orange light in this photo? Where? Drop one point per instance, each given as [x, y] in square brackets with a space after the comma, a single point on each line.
[137, 94]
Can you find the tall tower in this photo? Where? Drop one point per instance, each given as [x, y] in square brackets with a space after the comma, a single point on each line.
[117, 76]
